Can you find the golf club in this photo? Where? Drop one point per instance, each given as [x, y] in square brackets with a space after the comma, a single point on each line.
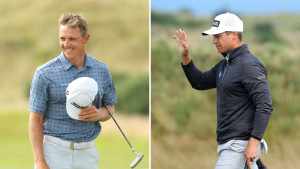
[139, 156]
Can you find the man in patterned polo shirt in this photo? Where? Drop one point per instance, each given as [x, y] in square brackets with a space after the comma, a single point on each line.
[57, 140]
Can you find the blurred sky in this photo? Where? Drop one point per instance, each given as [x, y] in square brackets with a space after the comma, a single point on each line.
[210, 7]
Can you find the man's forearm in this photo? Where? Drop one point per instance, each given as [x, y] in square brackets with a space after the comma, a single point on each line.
[105, 115]
[261, 121]
[198, 79]
[36, 136]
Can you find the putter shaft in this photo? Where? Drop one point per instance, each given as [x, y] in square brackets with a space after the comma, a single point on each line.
[120, 129]
[139, 156]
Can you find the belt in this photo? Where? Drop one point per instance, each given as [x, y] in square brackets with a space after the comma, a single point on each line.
[69, 144]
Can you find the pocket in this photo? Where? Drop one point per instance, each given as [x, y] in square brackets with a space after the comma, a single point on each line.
[51, 154]
[93, 159]
[239, 145]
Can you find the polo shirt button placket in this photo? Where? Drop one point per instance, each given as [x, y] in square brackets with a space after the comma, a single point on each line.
[76, 74]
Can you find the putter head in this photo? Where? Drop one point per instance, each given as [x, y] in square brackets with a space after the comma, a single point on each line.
[136, 160]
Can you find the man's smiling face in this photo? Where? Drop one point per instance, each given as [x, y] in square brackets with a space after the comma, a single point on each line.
[72, 42]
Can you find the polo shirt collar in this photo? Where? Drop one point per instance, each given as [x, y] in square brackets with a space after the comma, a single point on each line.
[87, 61]
[66, 64]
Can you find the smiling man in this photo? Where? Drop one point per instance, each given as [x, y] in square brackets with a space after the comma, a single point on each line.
[244, 102]
[59, 141]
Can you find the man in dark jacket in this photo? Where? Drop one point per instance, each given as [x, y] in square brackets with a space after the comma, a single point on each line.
[244, 102]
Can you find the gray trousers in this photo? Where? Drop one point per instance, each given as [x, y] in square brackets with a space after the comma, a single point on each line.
[60, 157]
[231, 155]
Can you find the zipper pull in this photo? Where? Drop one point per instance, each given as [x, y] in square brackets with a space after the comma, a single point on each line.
[225, 67]
[227, 59]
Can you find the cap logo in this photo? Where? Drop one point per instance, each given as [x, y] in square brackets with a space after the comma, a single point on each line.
[216, 23]
[78, 106]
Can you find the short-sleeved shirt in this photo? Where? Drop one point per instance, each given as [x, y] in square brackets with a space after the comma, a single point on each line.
[47, 96]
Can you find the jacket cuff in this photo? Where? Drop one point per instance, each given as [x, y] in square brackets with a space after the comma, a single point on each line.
[257, 138]
[188, 65]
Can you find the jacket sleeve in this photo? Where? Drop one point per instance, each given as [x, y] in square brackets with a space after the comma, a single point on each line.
[198, 79]
[256, 83]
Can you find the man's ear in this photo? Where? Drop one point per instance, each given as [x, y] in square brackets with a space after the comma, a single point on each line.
[234, 35]
[86, 38]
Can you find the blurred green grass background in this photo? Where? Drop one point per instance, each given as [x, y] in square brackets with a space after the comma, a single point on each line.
[183, 120]
[114, 152]
[119, 37]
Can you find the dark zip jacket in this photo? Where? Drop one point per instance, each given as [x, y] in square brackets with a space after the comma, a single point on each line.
[244, 102]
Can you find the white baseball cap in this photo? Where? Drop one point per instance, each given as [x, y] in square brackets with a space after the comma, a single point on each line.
[80, 94]
[225, 22]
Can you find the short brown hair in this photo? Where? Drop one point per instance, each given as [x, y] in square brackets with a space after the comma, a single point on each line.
[240, 35]
[74, 21]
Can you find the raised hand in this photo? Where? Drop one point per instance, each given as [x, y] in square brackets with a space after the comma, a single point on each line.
[183, 46]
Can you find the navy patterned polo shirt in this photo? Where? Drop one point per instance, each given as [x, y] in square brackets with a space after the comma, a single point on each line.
[47, 96]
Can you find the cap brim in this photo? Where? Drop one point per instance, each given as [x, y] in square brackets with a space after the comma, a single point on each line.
[72, 110]
[212, 31]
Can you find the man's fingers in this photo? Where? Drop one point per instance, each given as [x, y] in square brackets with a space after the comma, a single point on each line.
[86, 111]
[181, 36]
[89, 114]
[184, 36]
[178, 34]
[248, 163]
[175, 37]
[88, 117]
[185, 45]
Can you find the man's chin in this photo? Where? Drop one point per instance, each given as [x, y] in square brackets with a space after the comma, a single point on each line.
[221, 51]
[68, 55]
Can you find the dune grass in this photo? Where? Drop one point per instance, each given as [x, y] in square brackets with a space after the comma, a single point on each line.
[183, 120]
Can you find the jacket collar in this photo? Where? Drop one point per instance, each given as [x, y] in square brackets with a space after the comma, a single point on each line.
[233, 53]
